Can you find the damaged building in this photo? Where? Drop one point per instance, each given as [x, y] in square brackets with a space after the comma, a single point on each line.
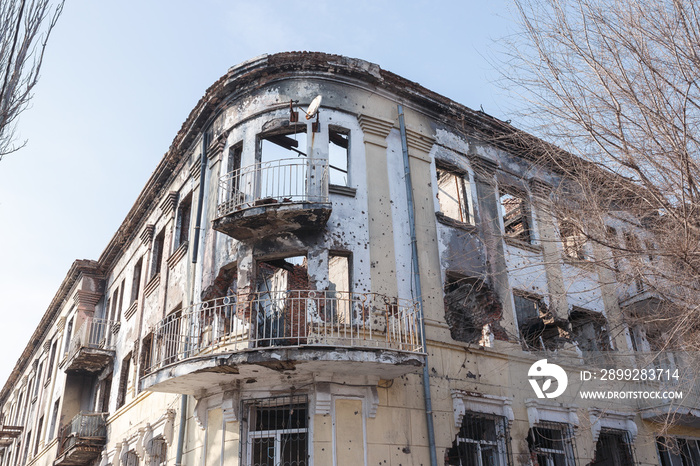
[332, 265]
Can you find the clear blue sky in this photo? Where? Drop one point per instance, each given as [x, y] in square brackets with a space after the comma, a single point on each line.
[119, 78]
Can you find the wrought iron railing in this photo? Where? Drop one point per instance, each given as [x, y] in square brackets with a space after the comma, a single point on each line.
[84, 428]
[284, 319]
[282, 181]
[93, 333]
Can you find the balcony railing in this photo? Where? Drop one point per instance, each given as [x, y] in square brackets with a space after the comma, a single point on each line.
[286, 319]
[93, 333]
[284, 181]
[87, 430]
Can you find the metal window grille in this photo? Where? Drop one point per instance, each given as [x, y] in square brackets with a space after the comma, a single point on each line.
[552, 444]
[678, 451]
[131, 458]
[157, 451]
[275, 431]
[483, 440]
[614, 448]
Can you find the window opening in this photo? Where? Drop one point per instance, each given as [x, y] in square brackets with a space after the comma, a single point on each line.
[453, 195]
[54, 419]
[573, 240]
[136, 281]
[123, 381]
[590, 330]
[552, 444]
[471, 306]
[483, 440]
[157, 254]
[614, 448]
[516, 218]
[338, 154]
[678, 451]
[538, 329]
[277, 432]
[338, 309]
[283, 146]
[69, 335]
[281, 308]
[184, 213]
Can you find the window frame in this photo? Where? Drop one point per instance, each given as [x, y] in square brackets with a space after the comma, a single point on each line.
[342, 131]
[464, 201]
[502, 456]
[567, 439]
[527, 236]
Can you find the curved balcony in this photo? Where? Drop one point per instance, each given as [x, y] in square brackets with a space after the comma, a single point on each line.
[273, 197]
[232, 338]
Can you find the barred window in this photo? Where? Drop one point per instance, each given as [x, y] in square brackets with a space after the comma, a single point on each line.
[483, 440]
[276, 432]
[678, 451]
[552, 444]
[614, 448]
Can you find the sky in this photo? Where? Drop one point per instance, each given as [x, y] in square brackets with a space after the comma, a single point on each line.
[119, 79]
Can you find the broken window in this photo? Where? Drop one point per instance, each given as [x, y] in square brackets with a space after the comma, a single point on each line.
[589, 330]
[614, 448]
[338, 308]
[182, 228]
[516, 217]
[338, 151]
[280, 310]
[573, 240]
[538, 329]
[276, 431]
[678, 451]
[123, 381]
[136, 281]
[453, 195]
[470, 306]
[483, 439]
[552, 444]
[283, 146]
[157, 254]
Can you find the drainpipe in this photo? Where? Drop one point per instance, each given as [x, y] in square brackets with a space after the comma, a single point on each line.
[417, 287]
[195, 253]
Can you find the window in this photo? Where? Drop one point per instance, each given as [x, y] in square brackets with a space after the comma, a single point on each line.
[54, 419]
[678, 451]
[537, 329]
[573, 240]
[171, 336]
[52, 356]
[552, 444]
[283, 146]
[157, 254]
[69, 335]
[182, 229]
[136, 281]
[633, 253]
[339, 289]
[121, 300]
[483, 439]
[39, 373]
[453, 195]
[146, 348]
[590, 330]
[130, 458]
[338, 150]
[614, 245]
[470, 305]
[115, 302]
[614, 448]
[123, 381]
[38, 435]
[276, 432]
[516, 217]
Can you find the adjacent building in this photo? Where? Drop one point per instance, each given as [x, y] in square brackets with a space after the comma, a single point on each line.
[291, 280]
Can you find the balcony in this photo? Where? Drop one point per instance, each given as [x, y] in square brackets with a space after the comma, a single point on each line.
[81, 441]
[92, 346]
[274, 197]
[8, 434]
[284, 332]
[677, 373]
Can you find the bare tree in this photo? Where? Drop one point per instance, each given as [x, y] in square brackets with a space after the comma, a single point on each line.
[25, 26]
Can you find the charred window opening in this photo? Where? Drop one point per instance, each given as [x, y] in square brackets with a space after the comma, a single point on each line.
[483, 439]
[516, 217]
[614, 448]
[182, 228]
[471, 306]
[552, 444]
[573, 240]
[283, 146]
[275, 431]
[338, 155]
[453, 195]
[538, 329]
[279, 312]
[678, 451]
[589, 331]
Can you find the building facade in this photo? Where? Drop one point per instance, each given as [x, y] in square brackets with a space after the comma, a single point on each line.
[290, 281]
